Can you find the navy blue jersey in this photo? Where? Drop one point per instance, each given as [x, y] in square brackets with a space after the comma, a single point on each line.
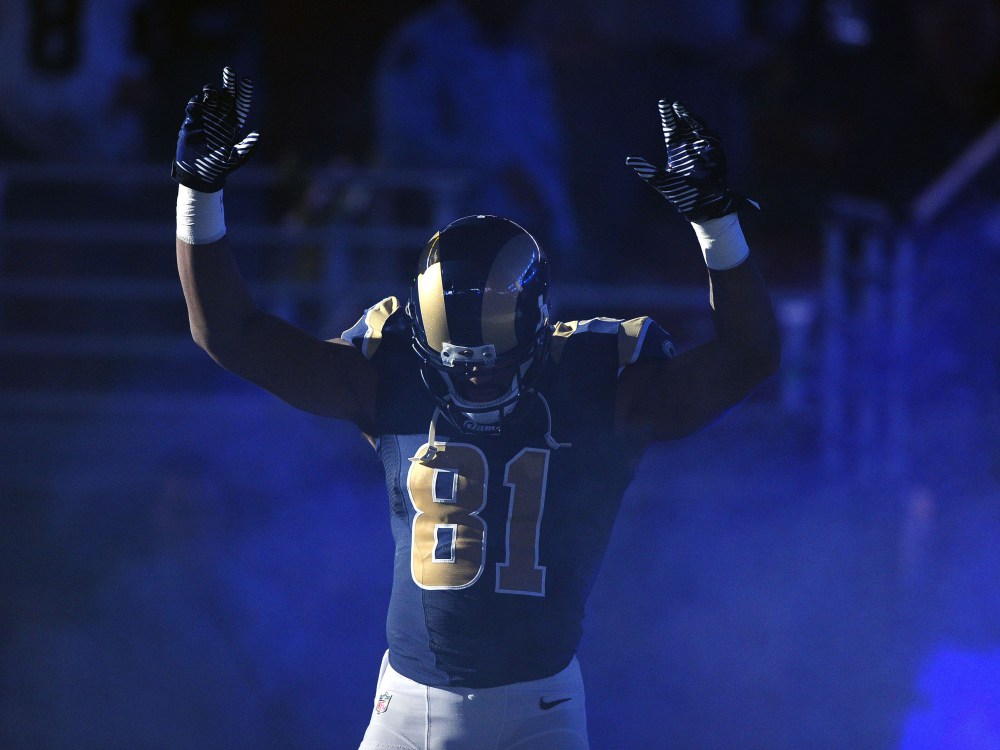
[499, 537]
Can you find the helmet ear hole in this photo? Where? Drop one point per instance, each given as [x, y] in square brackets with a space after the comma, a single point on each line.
[480, 299]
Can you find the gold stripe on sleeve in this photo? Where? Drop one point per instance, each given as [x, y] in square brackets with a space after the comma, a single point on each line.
[375, 318]
[560, 335]
[630, 337]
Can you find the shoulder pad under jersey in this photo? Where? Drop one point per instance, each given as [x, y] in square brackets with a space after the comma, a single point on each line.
[379, 321]
[639, 339]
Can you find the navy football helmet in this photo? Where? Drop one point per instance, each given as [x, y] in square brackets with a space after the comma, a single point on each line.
[480, 310]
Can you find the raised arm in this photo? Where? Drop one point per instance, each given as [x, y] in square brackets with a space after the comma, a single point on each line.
[330, 378]
[670, 398]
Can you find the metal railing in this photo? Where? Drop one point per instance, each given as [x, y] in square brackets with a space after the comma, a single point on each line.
[870, 274]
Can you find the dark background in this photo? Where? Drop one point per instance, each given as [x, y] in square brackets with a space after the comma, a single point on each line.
[189, 563]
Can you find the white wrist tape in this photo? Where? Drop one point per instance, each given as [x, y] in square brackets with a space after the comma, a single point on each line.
[722, 242]
[200, 218]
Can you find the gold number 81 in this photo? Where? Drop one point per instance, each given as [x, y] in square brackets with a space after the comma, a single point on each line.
[448, 545]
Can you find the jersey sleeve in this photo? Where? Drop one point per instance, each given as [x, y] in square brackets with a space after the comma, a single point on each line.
[642, 340]
[369, 332]
[638, 339]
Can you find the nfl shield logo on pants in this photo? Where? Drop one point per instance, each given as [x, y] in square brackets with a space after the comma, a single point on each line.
[382, 704]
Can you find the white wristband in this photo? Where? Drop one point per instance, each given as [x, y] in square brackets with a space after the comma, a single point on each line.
[722, 242]
[200, 218]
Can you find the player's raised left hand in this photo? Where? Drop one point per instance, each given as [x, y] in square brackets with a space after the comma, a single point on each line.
[212, 141]
[694, 178]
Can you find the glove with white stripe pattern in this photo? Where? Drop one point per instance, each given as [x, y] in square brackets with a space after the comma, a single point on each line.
[694, 179]
[211, 142]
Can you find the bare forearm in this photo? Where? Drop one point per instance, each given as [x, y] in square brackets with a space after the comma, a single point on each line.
[219, 305]
[327, 378]
[227, 324]
[745, 325]
[677, 397]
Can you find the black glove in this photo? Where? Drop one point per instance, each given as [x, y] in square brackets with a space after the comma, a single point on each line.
[694, 179]
[211, 143]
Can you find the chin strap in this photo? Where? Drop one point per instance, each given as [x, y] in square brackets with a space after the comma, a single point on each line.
[549, 440]
[429, 454]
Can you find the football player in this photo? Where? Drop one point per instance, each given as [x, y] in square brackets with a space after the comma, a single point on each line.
[508, 438]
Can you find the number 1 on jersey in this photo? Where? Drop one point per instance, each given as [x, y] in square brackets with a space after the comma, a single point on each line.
[526, 476]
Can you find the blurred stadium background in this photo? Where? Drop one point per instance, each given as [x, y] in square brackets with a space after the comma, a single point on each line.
[189, 563]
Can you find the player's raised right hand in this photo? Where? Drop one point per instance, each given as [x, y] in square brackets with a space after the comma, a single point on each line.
[212, 141]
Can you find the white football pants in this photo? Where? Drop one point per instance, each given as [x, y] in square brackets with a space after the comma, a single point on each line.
[546, 714]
